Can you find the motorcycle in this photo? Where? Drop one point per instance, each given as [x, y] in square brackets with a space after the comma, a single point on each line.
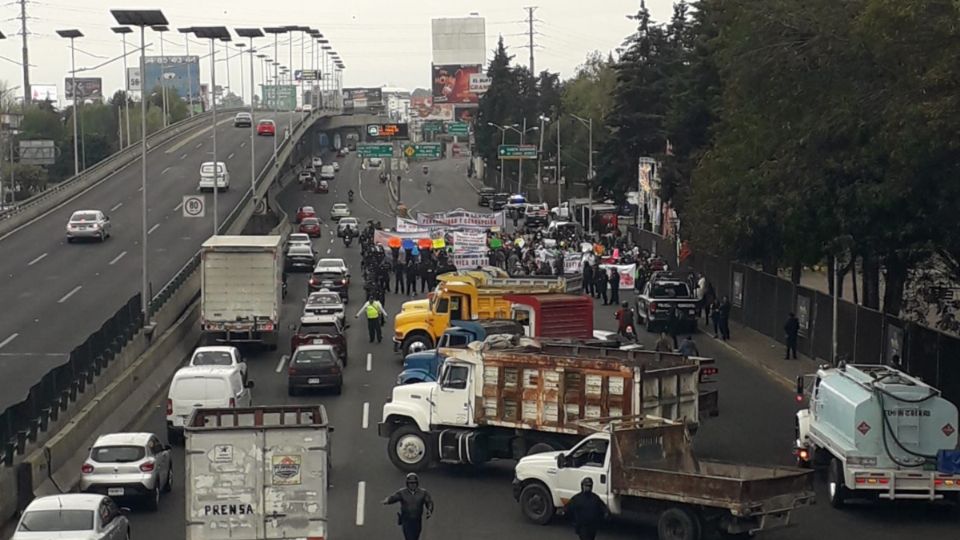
[350, 197]
[429, 187]
[347, 239]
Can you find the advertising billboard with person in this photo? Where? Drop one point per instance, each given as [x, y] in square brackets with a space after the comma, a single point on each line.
[451, 84]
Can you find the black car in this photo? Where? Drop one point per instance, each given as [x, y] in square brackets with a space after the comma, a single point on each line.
[299, 257]
[314, 366]
[486, 195]
[332, 280]
[499, 200]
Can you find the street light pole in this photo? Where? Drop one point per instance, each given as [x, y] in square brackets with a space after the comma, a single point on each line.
[243, 98]
[276, 31]
[160, 29]
[540, 160]
[588, 122]
[123, 31]
[72, 35]
[186, 40]
[142, 18]
[251, 33]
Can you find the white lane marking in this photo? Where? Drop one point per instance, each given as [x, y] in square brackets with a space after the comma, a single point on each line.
[178, 207]
[366, 415]
[118, 257]
[183, 156]
[243, 144]
[118, 205]
[140, 188]
[151, 229]
[331, 240]
[283, 360]
[361, 501]
[67, 296]
[369, 361]
[328, 251]
[38, 259]
[5, 342]
[165, 170]
[230, 156]
[199, 144]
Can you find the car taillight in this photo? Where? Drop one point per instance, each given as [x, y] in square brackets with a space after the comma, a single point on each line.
[291, 371]
[343, 281]
[314, 281]
[233, 403]
[169, 407]
[653, 306]
[709, 371]
[87, 468]
[146, 467]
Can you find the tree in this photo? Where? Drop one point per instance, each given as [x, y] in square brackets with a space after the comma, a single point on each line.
[497, 106]
[589, 95]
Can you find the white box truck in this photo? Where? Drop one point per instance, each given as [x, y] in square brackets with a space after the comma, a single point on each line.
[257, 473]
[881, 433]
[497, 400]
[241, 279]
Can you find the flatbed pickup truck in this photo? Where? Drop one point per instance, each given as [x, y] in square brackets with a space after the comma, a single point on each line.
[645, 466]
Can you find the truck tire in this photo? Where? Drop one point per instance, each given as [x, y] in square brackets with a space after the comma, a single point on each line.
[540, 448]
[536, 503]
[409, 449]
[836, 489]
[678, 524]
[416, 342]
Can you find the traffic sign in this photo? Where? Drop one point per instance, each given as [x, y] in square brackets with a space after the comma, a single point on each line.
[422, 150]
[194, 206]
[432, 126]
[458, 128]
[517, 151]
[305, 74]
[381, 150]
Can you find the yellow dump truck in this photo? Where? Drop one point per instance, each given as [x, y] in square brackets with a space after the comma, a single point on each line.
[464, 296]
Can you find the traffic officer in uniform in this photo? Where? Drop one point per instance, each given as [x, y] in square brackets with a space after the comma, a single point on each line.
[373, 311]
[413, 501]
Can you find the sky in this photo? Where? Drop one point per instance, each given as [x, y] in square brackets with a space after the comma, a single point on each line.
[382, 42]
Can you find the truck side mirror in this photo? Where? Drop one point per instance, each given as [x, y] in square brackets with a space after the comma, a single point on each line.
[560, 460]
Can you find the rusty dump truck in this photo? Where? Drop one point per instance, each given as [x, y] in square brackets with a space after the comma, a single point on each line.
[643, 466]
[508, 397]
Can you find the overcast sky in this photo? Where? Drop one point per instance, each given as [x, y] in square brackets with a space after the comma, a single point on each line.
[382, 42]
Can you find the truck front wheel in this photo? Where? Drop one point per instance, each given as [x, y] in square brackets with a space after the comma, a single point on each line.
[678, 524]
[416, 342]
[835, 486]
[409, 449]
[536, 503]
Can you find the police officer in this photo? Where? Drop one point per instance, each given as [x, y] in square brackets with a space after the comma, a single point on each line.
[373, 311]
[614, 286]
[587, 510]
[413, 501]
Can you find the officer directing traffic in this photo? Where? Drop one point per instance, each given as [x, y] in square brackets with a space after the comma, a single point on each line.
[413, 501]
[373, 310]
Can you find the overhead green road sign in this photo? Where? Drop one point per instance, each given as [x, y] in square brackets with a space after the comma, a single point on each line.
[367, 150]
[432, 126]
[283, 97]
[458, 128]
[422, 150]
[517, 151]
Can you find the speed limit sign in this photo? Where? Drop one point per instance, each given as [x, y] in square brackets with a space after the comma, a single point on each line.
[194, 206]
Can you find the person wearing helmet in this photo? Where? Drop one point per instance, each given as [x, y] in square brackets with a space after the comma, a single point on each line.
[413, 501]
[587, 511]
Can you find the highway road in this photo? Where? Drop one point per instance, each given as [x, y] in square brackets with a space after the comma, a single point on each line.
[55, 294]
[755, 425]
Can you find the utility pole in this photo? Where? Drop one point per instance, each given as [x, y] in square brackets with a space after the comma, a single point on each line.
[27, 93]
[530, 11]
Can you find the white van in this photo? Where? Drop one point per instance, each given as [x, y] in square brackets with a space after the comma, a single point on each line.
[207, 174]
[203, 386]
[327, 172]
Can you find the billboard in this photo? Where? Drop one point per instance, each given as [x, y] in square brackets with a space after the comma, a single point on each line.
[282, 97]
[451, 83]
[180, 73]
[39, 152]
[133, 79]
[459, 41]
[44, 92]
[479, 83]
[465, 114]
[382, 131]
[362, 99]
[87, 87]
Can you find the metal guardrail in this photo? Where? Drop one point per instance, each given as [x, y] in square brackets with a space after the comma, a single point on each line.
[116, 160]
[21, 423]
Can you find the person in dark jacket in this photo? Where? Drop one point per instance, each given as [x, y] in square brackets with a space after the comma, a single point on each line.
[588, 278]
[413, 502]
[673, 324]
[614, 286]
[602, 280]
[412, 275]
[398, 272]
[791, 328]
[587, 510]
[725, 318]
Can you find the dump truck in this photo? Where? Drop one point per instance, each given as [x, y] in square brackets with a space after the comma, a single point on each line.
[425, 365]
[241, 280]
[880, 433]
[463, 296]
[257, 473]
[505, 398]
[643, 466]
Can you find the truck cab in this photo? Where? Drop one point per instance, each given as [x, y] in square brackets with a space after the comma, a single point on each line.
[425, 365]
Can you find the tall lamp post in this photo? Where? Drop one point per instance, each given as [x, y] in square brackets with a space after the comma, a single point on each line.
[522, 133]
[543, 120]
[276, 31]
[72, 35]
[186, 42]
[314, 90]
[214, 33]
[588, 122]
[324, 52]
[142, 18]
[291, 30]
[503, 140]
[123, 31]
[251, 33]
[241, 46]
[161, 28]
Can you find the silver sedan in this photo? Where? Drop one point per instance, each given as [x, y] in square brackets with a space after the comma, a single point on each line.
[72, 515]
[128, 465]
[92, 224]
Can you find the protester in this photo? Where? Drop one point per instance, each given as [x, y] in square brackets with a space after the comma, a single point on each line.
[792, 329]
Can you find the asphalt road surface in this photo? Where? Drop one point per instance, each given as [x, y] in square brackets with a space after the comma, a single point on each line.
[56, 294]
[755, 423]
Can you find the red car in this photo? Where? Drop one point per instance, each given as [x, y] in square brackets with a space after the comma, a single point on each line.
[311, 227]
[304, 212]
[266, 127]
[321, 330]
